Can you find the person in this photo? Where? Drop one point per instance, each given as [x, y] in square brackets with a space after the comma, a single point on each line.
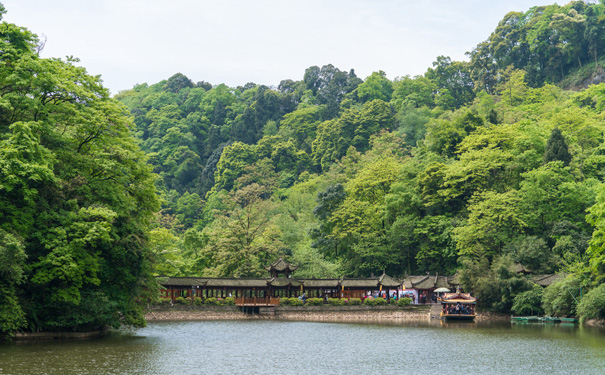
[304, 297]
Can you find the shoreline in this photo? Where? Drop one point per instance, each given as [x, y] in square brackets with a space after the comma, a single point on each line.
[305, 313]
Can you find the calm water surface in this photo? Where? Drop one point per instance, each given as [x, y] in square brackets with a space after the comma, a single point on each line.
[280, 347]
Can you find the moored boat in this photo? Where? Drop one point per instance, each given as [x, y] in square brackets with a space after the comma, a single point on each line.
[458, 306]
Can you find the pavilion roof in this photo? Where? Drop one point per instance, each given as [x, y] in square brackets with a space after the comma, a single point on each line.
[442, 282]
[388, 281]
[321, 283]
[181, 281]
[236, 283]
[519, 268]
[546, 280]
[280, 266]
[360, 283]
[284, 282]
[459, 297]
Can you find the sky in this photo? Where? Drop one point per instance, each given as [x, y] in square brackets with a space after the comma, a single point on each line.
[130, 42]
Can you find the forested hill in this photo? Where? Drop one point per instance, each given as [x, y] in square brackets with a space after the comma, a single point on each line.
[478, 167]
[472, 167]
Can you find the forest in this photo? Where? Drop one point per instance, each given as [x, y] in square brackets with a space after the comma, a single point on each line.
[474, 168]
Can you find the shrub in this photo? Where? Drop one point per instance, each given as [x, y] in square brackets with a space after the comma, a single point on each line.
[165, 301]
[380, 301]
[392, 301]
[181, 301]
[529, 302]
[284, 301]
[592, 305]
[211, 301]
[401, 302]
[229, 301]
[197, 301]
[558, 298]
[355, 301]
[315, 301]
[296, 301]
[336, 301]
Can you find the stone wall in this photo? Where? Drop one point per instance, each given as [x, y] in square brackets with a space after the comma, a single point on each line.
[307, 313]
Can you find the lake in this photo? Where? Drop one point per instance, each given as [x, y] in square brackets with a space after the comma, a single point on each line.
[285, 347]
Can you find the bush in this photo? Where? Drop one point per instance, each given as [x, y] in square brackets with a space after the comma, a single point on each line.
[197, 301]
[558, 298]
[402, 302]
[181, 301]
[375, 301]
[355, 301]
[315, 301]
[336, 301]
[211, 301]
[296, 301]
[529, 302]
[284, 301]
[592, 305]
[229, 301]
[165, 301]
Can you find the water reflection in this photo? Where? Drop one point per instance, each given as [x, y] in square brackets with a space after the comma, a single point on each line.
[287, 347]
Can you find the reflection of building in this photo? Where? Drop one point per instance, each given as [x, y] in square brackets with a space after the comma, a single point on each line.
[282, 283]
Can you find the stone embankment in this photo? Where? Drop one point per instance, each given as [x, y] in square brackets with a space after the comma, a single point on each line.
[303, 313]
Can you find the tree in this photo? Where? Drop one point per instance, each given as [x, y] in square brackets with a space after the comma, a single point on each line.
[76, 196]
[556, 148]
[242, 239]
[376, 86]
[529, 302]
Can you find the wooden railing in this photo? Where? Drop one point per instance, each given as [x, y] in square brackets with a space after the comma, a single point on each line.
[257, 301]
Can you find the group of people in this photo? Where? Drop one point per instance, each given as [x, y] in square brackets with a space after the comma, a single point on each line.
[458, 309]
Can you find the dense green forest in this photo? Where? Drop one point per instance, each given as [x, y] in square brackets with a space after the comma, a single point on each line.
[474, 167]
[76, 197]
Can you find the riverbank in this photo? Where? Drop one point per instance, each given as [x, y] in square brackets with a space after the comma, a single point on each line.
[46, 336]
[303, 313]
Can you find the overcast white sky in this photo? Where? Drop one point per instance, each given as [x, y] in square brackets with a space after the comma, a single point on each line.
[262, 41]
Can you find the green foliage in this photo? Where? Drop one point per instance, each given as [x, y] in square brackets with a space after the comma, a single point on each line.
[561, 298]
[495, 285]
[229, 301]
[212, 301]
[556, 148]
[336, 302]
[76, 197]
[181, 301]
[375, 301]
[354, 301]
[294, 301]
[529, 302]
[592, 305]
[402, 302]
[315, 301]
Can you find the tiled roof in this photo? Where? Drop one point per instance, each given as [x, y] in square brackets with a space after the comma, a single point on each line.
[388, 281]
[236, 283]
[283, 282]
[359, 283]
[320, 283]
[546, 280]
[281, 265]
[181, 281]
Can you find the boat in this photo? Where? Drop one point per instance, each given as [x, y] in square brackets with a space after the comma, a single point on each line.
[458, 306]
[525, 319]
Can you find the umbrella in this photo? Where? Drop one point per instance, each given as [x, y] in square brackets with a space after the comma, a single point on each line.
[442, 290]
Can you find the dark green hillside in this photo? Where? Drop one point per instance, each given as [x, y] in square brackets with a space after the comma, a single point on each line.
[76, 196]
[474, 166]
